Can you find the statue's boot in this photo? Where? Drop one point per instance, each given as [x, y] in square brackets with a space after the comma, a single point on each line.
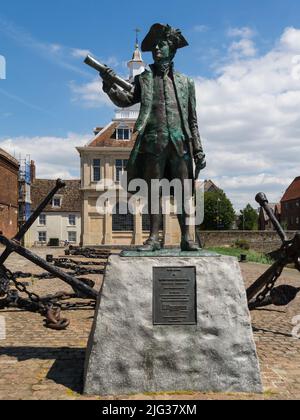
[189, 246]
[151, 245]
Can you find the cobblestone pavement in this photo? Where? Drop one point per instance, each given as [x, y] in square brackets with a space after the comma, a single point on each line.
[36, 363]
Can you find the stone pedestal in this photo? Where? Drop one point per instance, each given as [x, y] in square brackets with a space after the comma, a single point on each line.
[127, 354]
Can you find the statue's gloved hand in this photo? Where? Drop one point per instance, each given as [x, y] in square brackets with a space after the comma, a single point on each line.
[200, 164]
[108, 76]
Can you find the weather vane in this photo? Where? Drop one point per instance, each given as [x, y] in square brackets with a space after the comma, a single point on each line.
[137, 31]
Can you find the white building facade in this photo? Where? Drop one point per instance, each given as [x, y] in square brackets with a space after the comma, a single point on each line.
[60, 223]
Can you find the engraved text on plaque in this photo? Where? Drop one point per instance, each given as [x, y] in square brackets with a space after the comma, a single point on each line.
[174, 296]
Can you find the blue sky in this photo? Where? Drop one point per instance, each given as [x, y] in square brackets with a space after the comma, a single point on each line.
[45, 94]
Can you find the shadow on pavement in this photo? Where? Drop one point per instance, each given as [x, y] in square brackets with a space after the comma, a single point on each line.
[272, 332]
[68, 367]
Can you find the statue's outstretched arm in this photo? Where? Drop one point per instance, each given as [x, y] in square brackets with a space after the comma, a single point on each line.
[120, 97]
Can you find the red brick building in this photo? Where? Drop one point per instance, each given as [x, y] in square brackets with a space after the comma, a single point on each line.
[290, 204]
[9, 169]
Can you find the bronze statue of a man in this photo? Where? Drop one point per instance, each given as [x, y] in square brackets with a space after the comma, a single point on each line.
[168, 138]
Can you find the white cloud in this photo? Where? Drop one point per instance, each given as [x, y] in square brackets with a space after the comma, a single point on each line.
[244, 47]
[244, 32]
[290, 39]
[112, 61]
[250, 121]
[82, 53]
[55, 48]
[90, 95]
[78, 53]
[55, 157]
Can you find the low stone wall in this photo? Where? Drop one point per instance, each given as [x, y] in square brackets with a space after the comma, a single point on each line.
[261, 241]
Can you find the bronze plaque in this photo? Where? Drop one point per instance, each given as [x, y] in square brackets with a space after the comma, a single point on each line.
[174, 296]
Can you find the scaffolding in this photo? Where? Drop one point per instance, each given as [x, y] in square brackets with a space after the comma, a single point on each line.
[25, 179]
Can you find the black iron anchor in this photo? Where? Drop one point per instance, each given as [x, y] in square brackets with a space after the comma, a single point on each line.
[14, 245]
[263, 291]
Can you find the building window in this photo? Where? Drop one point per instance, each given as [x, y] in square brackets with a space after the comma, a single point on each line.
[123, 134]
[42, 220]
[56, 202]
[43, 237]
[297, 220]
[120, 168]
[122, 219]
[72, 220]
[96, 170]
[72, 237]
[298, 203]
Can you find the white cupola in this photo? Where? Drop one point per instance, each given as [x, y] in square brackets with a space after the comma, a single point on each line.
[136, 65]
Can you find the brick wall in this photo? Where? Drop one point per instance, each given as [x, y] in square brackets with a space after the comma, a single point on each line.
[8, 221]
[265, 241]
[8, 197]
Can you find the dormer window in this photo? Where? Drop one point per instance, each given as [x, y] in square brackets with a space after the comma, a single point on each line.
[56, 202]
[123, 133]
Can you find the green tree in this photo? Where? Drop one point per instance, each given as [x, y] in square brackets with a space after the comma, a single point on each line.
[218, 211]
[248, 219]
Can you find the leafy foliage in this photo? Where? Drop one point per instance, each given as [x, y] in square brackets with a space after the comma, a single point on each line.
[248, 219]
[218, 212]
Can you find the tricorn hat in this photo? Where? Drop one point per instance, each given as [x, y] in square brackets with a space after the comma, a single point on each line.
[158, 32]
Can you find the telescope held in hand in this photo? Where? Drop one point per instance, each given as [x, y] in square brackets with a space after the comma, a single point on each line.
[92, 62]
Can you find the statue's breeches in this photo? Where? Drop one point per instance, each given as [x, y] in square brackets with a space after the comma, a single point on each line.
[168, 165]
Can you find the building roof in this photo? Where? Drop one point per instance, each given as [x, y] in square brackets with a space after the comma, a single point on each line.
[210, 186]
[137, 55]
[293, 191]
[97, 130]
[107, 138]
[71, 195]
[8, 157]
